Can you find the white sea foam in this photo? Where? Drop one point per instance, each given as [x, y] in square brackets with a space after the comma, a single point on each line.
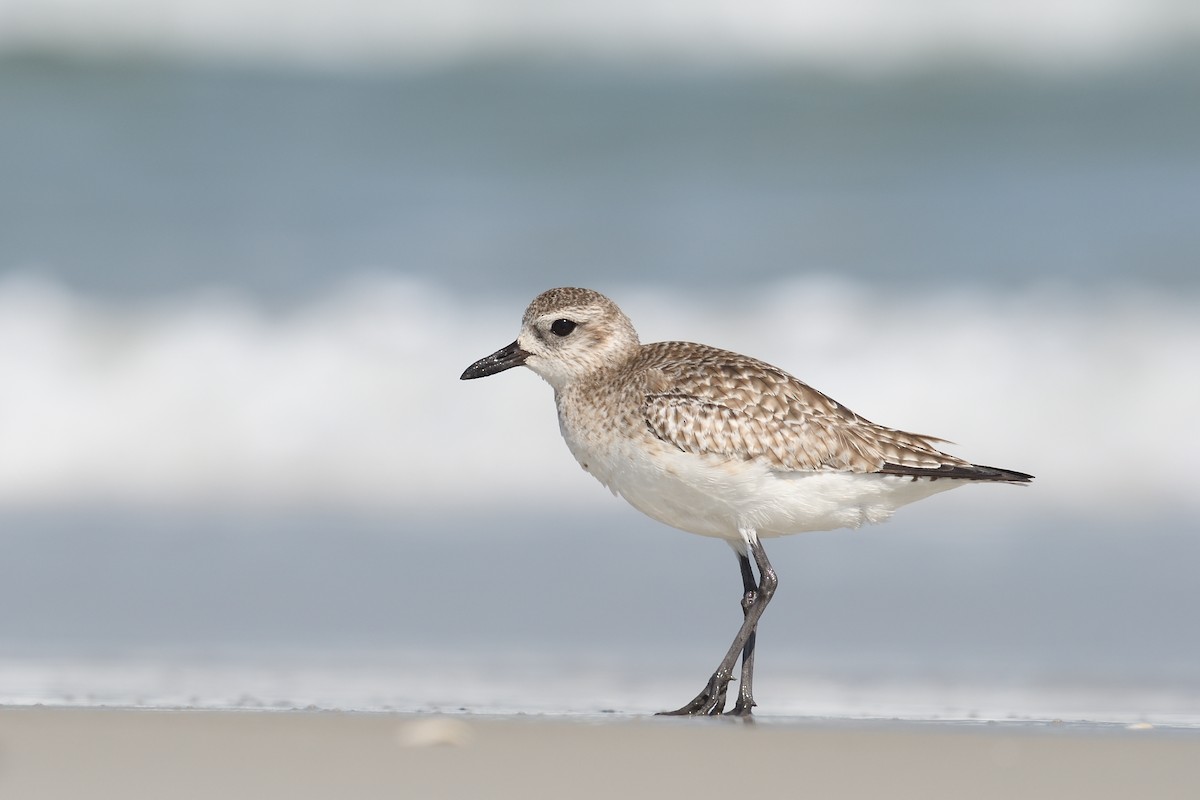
[856, 34]
[555, 683]
[355, 399]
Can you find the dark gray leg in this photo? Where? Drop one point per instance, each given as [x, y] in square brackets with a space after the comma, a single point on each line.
[745, 700]
[711, 700]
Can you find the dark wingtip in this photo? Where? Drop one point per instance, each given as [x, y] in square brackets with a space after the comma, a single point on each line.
[1005, 475]
[967, 472]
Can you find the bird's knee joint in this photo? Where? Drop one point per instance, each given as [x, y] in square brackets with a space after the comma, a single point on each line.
[748, 599]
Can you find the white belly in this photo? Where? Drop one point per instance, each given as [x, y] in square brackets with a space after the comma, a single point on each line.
[727, 499]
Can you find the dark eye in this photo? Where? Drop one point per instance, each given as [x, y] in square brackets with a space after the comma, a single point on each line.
[561, 327]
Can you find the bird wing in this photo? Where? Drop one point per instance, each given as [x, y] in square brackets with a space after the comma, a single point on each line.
[721, 403]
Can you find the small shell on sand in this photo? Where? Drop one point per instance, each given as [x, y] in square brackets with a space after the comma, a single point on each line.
[433, 732]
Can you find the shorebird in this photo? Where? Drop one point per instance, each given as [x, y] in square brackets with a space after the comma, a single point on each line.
[719, 444]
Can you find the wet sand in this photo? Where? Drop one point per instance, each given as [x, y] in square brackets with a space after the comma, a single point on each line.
[51, 753]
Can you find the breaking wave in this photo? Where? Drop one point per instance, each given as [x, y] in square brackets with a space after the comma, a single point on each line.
[857, 35]
[354, 399]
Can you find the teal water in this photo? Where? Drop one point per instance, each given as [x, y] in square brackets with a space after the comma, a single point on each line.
[134, 179]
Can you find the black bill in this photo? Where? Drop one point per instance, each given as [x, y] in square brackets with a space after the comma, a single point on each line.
[504, 358]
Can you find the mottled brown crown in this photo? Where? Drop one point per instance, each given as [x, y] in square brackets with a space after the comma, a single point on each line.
[567, 297]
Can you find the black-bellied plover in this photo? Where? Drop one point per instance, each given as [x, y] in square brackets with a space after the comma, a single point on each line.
[719, 444]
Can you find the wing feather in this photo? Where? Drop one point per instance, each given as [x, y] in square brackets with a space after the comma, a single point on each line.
[721, 403]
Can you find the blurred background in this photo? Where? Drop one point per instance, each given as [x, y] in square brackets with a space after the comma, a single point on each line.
[246, 249]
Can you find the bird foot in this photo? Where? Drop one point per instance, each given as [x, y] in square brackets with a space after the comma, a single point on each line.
[710, 702]
[743, 709]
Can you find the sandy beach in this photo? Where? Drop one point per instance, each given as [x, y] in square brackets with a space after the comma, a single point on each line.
[51, 753]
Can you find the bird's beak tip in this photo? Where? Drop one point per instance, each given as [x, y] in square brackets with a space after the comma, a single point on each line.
[505, 358]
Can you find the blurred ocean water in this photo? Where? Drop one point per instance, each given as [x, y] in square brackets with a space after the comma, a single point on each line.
[144, 178]
[238, 281]
[936, 615]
